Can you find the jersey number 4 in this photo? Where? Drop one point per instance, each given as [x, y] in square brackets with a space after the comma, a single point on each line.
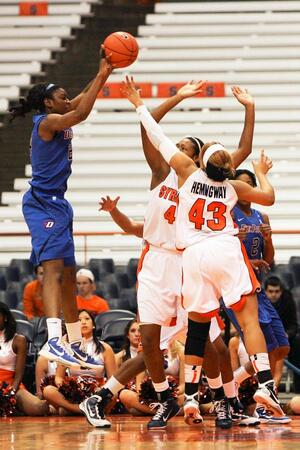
[217, 223]
[169, 215]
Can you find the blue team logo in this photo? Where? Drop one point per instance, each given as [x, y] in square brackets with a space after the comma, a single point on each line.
[48, 224]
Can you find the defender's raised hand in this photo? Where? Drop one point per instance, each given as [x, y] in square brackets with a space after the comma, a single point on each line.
[242, 95]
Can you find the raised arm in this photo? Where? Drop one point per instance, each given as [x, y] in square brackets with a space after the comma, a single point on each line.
[76, 100]
[128, 225]
[57, 122]
[263, 195]
[245, 145]
[182, 164]
[159, 167]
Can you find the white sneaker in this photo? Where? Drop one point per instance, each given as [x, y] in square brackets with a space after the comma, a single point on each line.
[266, 396]
[266, 417]
[56, 350]
[191, 410]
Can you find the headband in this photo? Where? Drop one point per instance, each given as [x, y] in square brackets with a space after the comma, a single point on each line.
[196, 140]
[51, 85]
[210, 151]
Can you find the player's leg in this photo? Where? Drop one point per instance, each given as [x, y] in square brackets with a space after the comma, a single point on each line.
[256, 347]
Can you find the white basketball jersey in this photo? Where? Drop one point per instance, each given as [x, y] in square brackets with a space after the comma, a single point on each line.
[159, 226]
[204, 209]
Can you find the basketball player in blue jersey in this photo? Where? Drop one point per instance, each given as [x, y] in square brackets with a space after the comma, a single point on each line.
[255, 233]
[48, 214]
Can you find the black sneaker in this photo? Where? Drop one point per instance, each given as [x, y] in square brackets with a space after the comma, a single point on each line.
[266, 396]
[165, 411]
[222, 410]
[238, 416]
[93, 409]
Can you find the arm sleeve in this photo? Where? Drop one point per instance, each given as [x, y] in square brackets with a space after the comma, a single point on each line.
[156, 135]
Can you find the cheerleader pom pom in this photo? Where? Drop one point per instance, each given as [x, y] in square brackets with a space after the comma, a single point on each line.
[246, 391]
[7, 400]
[147, 394]
[77, 389]
[49, 380]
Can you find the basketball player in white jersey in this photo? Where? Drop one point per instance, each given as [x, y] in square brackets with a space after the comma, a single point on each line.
[213, 263]
[160, 274]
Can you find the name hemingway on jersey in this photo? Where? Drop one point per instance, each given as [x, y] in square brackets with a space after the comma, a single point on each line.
[207, 190]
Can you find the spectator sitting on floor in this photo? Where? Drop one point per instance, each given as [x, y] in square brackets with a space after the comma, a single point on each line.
[13, 350]
[284, 303]
[86, 299]
[68, 402]
[32, 295]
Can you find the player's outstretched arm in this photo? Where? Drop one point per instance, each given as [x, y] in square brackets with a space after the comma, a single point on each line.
[128, 225]
[159, 167]
[57, 122]
[181, 163]
[263, 195]
[245, 145]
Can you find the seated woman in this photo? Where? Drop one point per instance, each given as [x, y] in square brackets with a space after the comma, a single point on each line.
[132, 341]
[13, 349]
[94, 347]
[134, 400]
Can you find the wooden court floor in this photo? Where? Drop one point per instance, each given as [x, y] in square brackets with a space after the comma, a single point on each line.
[74, 433]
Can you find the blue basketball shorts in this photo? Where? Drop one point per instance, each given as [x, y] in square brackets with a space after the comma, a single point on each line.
[50, 222]
[270, 323]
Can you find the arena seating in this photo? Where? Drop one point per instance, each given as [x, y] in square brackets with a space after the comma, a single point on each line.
[255, 44]
[26, 41]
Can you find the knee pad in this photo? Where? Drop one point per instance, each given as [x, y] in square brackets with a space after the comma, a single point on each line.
[196, 338]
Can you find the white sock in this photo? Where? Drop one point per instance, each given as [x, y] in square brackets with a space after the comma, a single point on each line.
[160, 387]
[215, 383]
[74, 331]
[260, 362]
[229, 389]
[54, 328]
[113, 385]
[240, 375]
[192, 373]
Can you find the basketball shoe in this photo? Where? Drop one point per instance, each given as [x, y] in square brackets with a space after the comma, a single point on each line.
[191, 409]
[165, 411]
[93, 409]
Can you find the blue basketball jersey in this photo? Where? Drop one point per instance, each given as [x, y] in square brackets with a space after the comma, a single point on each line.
[254, 242]
[50, 160]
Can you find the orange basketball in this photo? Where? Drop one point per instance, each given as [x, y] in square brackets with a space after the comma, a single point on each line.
[123, 47]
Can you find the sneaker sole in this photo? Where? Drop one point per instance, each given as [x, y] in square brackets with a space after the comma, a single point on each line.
[104, 424]
[247, 423]
[279, 420]
[190, 416]
[51, 357]
[268, 403]
[225, 426]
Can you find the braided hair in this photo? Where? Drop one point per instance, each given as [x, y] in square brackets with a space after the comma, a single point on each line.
[34, 100]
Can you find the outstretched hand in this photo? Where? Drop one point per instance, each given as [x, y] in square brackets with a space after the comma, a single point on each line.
[263, 165]
[191, 89]
[242, 95]
[107, 204]
[131, 92]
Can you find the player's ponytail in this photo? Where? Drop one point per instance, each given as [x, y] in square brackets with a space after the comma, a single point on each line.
[219, 173]
[34, 100]
[217, 162]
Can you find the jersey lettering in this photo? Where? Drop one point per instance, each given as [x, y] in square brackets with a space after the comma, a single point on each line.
[168, 193]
